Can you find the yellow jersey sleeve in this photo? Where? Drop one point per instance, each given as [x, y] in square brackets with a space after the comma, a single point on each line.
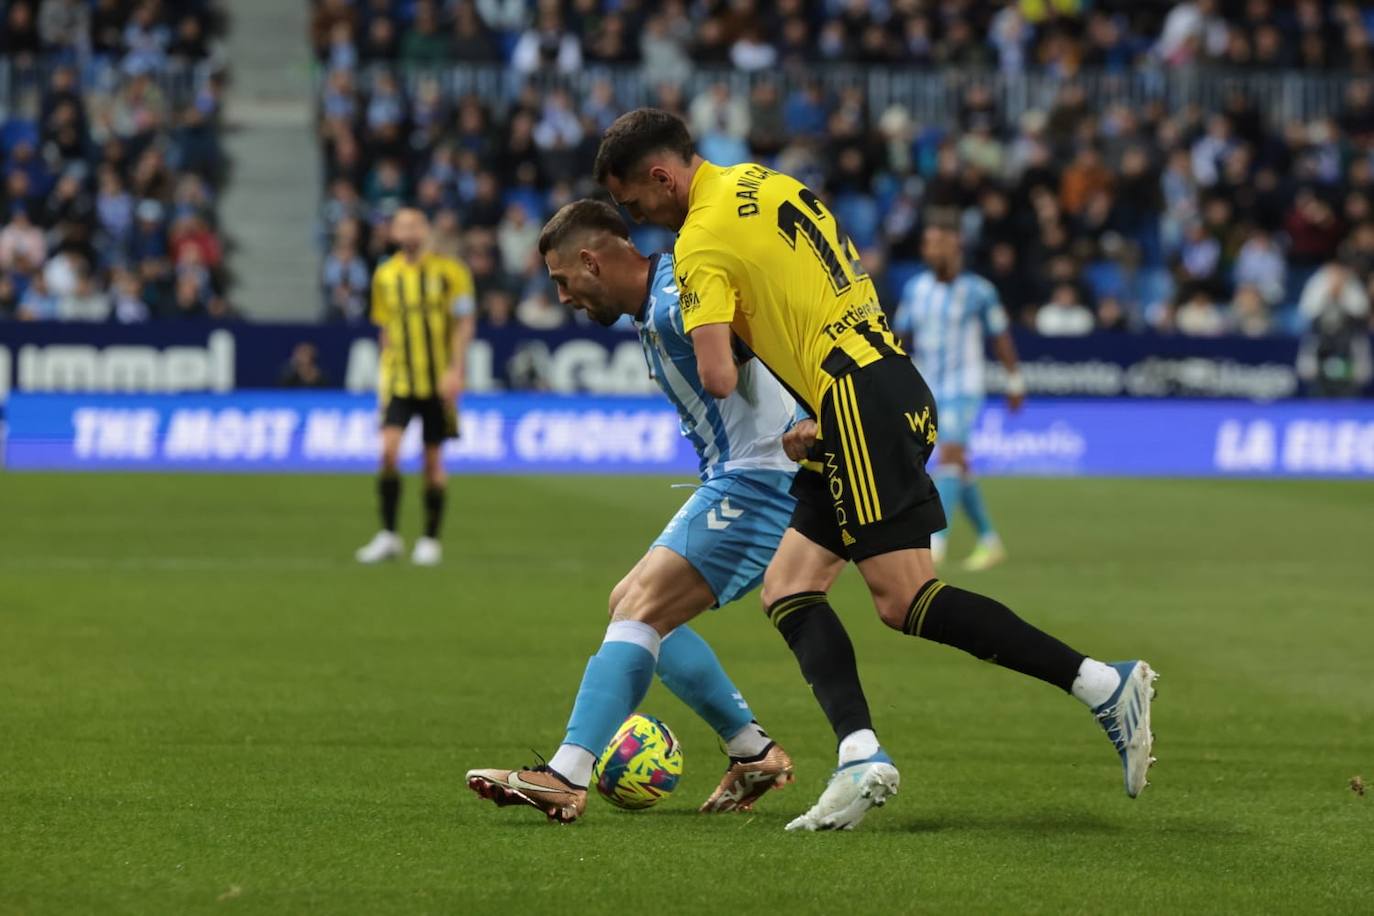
[706, 294]
[381, 312]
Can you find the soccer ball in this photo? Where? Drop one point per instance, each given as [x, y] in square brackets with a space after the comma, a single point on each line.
[641, 765]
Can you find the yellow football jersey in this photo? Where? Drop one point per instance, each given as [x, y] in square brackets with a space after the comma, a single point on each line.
[760, 252]
[416, 304]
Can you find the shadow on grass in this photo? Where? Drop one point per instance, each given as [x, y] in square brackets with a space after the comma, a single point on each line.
[1065, 823]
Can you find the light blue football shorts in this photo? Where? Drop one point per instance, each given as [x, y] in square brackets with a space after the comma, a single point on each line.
[957, 417]
[730, 528]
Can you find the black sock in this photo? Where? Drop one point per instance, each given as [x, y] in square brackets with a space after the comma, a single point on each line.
[389, 491]
[434, 510]
[988, 630]
[819, 641]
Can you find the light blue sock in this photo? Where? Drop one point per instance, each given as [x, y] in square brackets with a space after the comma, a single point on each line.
[689, 668]
[950, 487]
[616, 679]
[977, 511]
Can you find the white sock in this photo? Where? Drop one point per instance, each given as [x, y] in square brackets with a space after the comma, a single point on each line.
[1095, 683]
[574, 764]
[751, 741]
[858, 746]
[635, 632]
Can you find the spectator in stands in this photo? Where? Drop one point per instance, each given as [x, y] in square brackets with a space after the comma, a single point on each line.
[472, 41]
[1260, 266]
[37, 303]
[1064, 315]
[517, 237]
[21, 240]
[1334, 356]
[19, 39]
[146, 40]
[1199, 315]
[423, 43]
[87, 301]
[128, 305]
[547, 45]
[303, 370]
[1250, 312]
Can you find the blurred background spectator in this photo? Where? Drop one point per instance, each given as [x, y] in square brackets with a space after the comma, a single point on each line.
[111, 160]
[1119, 165]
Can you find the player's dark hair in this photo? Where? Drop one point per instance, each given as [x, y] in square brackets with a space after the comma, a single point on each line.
[578, 217]
[946, 218]
[637, 134]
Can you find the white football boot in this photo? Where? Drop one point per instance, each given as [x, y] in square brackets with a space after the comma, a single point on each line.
[385, 545]
[427, 552]
[938, 546]
[854, 789]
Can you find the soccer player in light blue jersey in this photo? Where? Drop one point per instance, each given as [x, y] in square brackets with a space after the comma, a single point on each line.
[945, 314]
[714, 550]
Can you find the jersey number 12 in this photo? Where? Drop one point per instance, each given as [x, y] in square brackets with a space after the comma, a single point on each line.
[792, 219]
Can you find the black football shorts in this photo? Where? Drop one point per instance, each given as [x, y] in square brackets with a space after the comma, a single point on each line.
[864, 489]
[438, 418]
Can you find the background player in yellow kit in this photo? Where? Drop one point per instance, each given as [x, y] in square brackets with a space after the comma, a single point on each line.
[424, 305]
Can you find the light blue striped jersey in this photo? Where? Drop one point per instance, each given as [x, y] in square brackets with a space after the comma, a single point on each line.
[946, 324]
[743, 431]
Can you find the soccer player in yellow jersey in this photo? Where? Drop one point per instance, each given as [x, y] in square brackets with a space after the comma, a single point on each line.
[759, 257]
[424, 307]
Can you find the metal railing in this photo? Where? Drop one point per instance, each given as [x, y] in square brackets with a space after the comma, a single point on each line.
[933, 97]
[22, 83]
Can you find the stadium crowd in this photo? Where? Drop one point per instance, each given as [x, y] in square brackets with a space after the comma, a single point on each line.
[1117, 217]
[111, 161]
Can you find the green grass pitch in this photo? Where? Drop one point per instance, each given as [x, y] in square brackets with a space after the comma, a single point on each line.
[206, 707]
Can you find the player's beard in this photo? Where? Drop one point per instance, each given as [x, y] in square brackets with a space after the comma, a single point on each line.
[605, 319]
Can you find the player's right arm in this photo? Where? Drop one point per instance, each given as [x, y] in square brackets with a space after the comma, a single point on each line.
[995, 321]
[707, 300]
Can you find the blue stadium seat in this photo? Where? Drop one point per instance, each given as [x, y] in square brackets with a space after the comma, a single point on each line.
[16, 131]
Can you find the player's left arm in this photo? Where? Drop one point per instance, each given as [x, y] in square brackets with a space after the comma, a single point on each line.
[464, 311]
[707, 301]
[1004, 347]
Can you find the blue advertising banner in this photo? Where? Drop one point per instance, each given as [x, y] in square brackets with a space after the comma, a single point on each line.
[541, 433]
[323, 432]
[170, 358]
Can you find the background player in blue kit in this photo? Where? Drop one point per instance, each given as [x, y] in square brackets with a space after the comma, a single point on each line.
[944, 316]
[714, 550]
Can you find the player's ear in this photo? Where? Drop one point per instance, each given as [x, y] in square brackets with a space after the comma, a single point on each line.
[589, 262]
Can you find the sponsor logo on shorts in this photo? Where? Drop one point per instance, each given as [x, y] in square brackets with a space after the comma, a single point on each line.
[922, 424]
[835, 483]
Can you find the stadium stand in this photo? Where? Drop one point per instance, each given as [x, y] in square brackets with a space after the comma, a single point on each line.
[1184, 167]
[111, 161]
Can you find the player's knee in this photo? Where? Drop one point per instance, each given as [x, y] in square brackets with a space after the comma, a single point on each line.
[662, 611]
[390, 462]
[776, 586]
[891, 611]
